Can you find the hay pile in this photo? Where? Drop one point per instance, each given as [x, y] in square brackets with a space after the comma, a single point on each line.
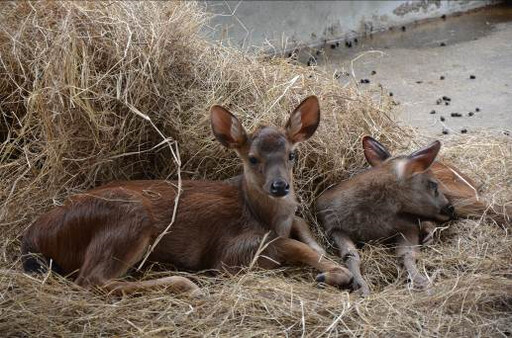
[76, 82]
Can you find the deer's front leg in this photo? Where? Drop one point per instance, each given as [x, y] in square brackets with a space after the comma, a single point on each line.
[407, 249]
[348, 252]
[301, 232]
[290, 251]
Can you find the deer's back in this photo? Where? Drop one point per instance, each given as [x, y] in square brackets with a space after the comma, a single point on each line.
[210, 214]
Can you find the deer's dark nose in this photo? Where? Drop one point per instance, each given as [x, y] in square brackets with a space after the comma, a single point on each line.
[279, 188]
[448, 210]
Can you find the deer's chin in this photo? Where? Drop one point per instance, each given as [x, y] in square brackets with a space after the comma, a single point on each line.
[442, 218]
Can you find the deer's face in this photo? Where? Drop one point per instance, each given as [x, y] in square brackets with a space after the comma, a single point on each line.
[268, 162]
[420, 195]
[416, 187]
[268, 153]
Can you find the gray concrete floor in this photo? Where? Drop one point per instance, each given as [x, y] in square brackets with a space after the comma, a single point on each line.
[410, 64]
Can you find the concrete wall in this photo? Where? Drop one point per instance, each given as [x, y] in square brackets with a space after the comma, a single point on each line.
[282, 25]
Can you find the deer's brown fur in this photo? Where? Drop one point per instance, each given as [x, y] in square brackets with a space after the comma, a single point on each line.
[98, 235]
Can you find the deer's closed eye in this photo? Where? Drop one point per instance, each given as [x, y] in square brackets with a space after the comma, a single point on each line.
[433, 186]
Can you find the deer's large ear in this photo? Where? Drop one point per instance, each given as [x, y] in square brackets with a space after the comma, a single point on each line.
[421, 160]
[227, 128]
[374, 151]
[304, 120]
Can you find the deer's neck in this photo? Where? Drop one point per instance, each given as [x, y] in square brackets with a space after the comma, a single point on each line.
[273, 213]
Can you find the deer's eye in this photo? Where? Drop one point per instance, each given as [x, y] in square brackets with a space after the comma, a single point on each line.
[433, 185]
[292, 156]
[253, 160]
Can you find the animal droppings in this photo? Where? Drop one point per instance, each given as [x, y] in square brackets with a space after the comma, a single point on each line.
[418, 82]
[472, 77]
[442, 118]
[446, 103]
[471, 113]
[433, 112]
[373, 72]
[439, 101]
[403, 28]
[445, 131]
[355, 41]
[477, 109]
[365, 81]
[443, 16]
[441, 78]
[333, 46]
[442, 44]
[446, 98]
[390, 93]
[463, 131]
[456, 115]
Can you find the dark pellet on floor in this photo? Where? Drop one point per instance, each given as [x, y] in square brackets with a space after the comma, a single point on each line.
[477, 109]
[433, 112]
[439, 101]
[446, 103]
[418, 82]
[390, 94]
[506, 133]
[446, 98]
[441, 78]
[442, 119]
[373, 72]
[365, 81]
[333, 46]
[456, 115]
[463, 131]
[356, 41]
[445, 131]
[471, 113]
[348, 44]
[443, 16]
[403, 28]
[442, 44]
[472, 77]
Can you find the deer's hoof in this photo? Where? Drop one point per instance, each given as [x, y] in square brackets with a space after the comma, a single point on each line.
[361, 288]
[420, 282]
[340, 277]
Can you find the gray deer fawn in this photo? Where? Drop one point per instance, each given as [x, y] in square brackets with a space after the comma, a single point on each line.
[461, 191]
[384, 202]
[98, 235]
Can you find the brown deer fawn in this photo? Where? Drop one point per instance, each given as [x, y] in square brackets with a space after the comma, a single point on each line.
[385, 202]
[97, 236]
[461, 191]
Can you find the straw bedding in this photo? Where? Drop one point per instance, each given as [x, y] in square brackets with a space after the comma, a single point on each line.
[92, 92]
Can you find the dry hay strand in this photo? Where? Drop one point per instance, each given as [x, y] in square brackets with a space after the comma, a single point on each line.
[74, 76]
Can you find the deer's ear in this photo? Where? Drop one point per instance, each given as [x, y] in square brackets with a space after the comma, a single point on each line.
[421, 160]
[374, 151]
[304, 120]
[227, 128]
